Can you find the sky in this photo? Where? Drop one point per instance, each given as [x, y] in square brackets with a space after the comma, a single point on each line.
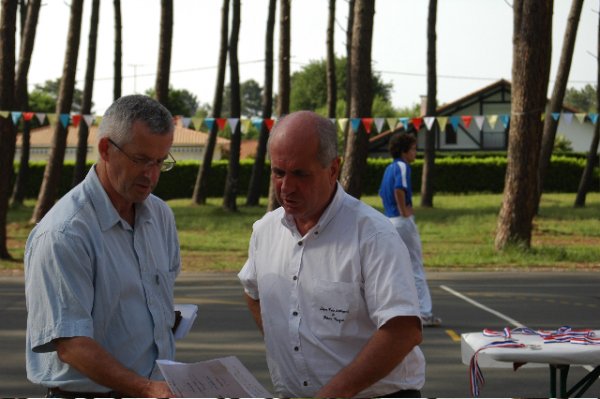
[474, 44]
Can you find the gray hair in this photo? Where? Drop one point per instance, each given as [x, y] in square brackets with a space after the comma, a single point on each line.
[120, 116]
[325, 129]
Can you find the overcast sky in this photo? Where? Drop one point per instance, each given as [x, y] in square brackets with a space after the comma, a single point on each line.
[474, 46]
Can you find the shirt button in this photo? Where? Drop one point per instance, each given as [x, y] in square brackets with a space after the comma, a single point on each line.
[300, 243]
[296, 348]
[305, 383]
[295, 313]
[295, 278]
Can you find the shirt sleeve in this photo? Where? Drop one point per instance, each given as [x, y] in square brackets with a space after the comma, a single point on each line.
[389, 284]
[248, 276]
[59, 290]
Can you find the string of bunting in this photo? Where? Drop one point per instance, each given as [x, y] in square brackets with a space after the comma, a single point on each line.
[370, 125]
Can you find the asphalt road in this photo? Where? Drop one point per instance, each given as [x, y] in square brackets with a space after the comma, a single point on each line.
[545, 300]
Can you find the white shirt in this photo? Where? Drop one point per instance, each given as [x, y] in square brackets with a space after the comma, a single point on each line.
[325, 294]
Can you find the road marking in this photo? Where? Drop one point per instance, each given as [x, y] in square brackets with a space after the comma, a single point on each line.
[490, 310]
[453, 335]
[479, 305]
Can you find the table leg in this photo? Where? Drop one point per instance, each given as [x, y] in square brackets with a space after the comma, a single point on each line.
[562, 383]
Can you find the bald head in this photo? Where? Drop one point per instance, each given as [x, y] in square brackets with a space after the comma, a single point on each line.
[305, 127]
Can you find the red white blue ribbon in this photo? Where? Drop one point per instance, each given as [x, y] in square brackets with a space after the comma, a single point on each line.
[476, 380]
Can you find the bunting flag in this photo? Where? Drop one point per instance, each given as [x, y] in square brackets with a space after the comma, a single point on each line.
[367, 124]
[41, 117]
[27, 116]
[269, 122]
[197, 122]
[233, 122]
[257, 123]
[210, 123]
[505, 119]
[492, 120]
[379, 124]
[417, 123]
[332, 120]
[594, 118]
[185, 122]
[542, 116]
[556, 116]
[580, 117]
[392, 122]
[479, 121]
[98, 120]
[404, 122]
[454, 121]
[443, 121]
[466, 120]
[75, 119]
[15, 117]
[568, 117]
[429, 122]
[221, 123]
[343, 124]
[5, 114]
[89, 120]
[245, 125]
[355, 124]
[64, 120]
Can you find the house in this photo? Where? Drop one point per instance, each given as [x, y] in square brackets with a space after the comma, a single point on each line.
[491, 100]
[188, 144]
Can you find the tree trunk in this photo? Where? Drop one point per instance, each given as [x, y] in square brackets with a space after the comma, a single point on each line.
[255, 186]
[331, 78]
[349, 29]
[8, 137]
[588, 172]
[118, 72]
[233, 169]
[201, 186]
[164, 53]
[283, 99]
[21, 96]
[532, 47]
[427, 174]
[361, 97]
[86, 103]
[53, 169]
[558, 94]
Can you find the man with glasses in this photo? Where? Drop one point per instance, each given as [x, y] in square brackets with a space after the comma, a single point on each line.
[100, 267]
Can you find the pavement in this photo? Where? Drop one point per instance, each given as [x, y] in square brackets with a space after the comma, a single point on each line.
[467, 302]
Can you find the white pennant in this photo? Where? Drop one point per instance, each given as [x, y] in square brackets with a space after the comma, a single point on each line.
[568, 117]
[429, 121]
[89, 119]
[233, 122]
[185, 122]
[479, 120]
[379, 124]
[41, 117]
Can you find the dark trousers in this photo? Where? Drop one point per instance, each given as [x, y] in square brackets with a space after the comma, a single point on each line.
[59, 393]
[405, 393]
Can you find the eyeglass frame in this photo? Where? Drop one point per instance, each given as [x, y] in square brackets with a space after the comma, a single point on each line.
[165, 165]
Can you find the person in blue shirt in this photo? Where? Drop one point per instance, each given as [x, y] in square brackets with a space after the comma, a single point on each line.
[396, 195]
[100, 267]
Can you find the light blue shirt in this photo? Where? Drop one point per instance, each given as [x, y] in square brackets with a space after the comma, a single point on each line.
[89, 273]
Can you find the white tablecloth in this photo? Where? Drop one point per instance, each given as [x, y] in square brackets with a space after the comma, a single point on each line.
[536, 353]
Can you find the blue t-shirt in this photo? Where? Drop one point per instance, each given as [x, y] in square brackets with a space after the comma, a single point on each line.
[396, 176]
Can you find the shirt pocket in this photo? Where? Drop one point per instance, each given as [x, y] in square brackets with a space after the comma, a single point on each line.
[334, 308]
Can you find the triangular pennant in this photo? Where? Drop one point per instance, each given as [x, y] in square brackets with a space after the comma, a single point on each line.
[233, 122]
[5, 114]
[492, 120]
[442, 121]
[197, 121]
[355, 123]
[221, 123]
[404, 120]
[185, 121]
[392, 122]
[27, 116]
[52, 118]
[257, 123]
[479, 121]
[367, 124]
[16, 115]
[41, 117]
[269, 122]
[466, 120]
[417, 122]
[89, 120]
[76, 119]
[210, 123]
[505, 119]
[97, 120]
[543, 116]
[580, 116]
[379, 124]
[568, 117]
[429, 122]
[64, 119]
[454, 121]
[556, 116]
[343, 124]
[593, 117]
[332, 120]
[245, 125]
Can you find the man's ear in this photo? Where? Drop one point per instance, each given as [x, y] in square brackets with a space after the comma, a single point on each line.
[335, 168]
[103, 145]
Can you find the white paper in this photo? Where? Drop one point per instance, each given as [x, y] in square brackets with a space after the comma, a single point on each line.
[188, 315]
[218, 378]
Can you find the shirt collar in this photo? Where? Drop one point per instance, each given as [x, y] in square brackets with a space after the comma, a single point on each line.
[331, 210]
[107, 214]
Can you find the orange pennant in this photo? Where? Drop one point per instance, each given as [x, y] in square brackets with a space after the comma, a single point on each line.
[466, 120]
[368, 124]
[269, 123]
[27, 116]
[75, 119]
[221, 122]
[417, 123]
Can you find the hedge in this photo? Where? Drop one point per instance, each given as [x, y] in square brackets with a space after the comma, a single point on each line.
[452, 175]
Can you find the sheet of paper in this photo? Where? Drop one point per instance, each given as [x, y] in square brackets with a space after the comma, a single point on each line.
[188, 315]
[219, 378]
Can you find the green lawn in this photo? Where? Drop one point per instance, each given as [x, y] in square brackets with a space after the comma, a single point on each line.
[458, 234]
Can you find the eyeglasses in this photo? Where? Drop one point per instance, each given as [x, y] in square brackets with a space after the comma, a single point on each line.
[165, 165]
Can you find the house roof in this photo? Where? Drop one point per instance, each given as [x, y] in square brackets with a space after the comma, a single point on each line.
[42, 137]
